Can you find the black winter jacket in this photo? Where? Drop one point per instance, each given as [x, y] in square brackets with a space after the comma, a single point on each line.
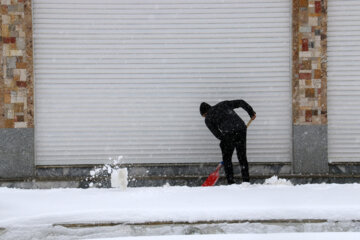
[223, 121]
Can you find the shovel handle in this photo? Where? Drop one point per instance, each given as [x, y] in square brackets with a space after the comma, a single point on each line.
[219, 166]
[248, 124]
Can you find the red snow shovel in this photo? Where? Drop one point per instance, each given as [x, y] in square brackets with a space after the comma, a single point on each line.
[214, 176]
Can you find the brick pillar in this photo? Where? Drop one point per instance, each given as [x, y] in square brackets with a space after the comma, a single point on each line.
[309, 86]
[16, 88]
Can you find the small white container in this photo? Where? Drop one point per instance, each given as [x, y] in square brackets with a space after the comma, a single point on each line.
[119, 178]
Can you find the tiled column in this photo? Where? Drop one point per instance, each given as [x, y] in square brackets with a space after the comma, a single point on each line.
[16, 88]
[309, 85]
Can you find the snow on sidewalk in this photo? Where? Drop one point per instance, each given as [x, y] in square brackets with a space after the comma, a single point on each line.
[184, 204]
[272, 236]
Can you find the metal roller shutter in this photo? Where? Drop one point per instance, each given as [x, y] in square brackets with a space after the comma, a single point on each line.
[126, 77]
[344, 80]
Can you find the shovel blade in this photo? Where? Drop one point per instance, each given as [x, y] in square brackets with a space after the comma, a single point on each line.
[213, 178]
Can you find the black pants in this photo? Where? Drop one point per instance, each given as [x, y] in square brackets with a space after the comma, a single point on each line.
[238, 141]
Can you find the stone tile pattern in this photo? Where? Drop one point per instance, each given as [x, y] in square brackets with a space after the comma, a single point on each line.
[16, 82]
[309, 62]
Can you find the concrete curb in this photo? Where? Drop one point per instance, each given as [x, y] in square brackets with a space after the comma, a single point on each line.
[159, 223]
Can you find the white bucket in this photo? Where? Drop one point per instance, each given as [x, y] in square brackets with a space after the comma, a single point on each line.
[119, 178]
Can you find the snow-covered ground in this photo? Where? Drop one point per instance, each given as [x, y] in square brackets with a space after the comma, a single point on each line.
[274, 236]
[32, 213]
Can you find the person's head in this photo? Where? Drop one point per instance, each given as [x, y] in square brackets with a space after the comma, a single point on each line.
[204, 108]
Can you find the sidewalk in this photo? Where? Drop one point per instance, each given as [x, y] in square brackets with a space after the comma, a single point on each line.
[276, 201]
[181, 204]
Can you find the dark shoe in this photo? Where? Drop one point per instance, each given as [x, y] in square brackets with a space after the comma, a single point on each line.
[231, 182]
[246, 179]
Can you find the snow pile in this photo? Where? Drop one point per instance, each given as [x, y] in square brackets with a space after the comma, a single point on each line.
[37, 210]
[119, 178]
[274, 180]
[99, 175]
[180, 204]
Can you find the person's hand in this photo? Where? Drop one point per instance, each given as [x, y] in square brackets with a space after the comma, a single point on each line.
[253, 118]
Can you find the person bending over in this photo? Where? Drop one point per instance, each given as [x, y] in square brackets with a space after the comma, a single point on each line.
[230, 129]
